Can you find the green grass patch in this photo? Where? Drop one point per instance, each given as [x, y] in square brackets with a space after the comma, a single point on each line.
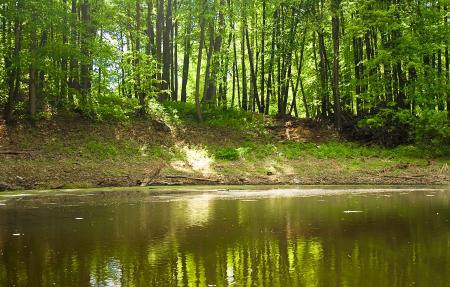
[178, 113]
[227, 154]
[332, 150]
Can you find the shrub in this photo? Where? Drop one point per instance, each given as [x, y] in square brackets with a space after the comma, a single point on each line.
[110, 106]
[227, 154]
[388, 128]
[432, 128]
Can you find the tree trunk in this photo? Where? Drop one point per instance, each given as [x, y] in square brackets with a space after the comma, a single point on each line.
[32, 85]
[236, 69]
[74, 73]
[139, 93]
[323, 74]
[186, 61]
[64, 64]
[175, 57]
[167, 59]
[199, 68]
[159, 43]
[244, 76]
[336, 92]
[85, 66]
[252, 73]
[447, 79]
[272, 61]
[151, 49]
[263, 32]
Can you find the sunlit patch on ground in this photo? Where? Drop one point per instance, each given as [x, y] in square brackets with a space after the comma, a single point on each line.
[198, 159]
[143, 150]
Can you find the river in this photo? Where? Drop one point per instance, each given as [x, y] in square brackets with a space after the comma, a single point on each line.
[346, 236]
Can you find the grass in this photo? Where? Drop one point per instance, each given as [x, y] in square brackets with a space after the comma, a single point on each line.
[185, 114]
[329, 150]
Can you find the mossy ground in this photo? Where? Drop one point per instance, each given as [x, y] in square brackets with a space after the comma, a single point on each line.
[69, 152]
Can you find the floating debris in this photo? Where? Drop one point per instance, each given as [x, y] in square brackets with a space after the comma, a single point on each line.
[17, 234]
[79, 218]
[353, 211]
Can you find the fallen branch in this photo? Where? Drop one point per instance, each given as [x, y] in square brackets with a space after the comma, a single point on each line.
[14, 152]
[412, 177]
[190, 178]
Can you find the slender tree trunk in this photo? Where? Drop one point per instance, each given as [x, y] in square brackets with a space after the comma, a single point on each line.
[167, 59]
[401, 86]
[225, 66]
[175, 56]
[447, 79]
[159, 43]
[186, 61]
[252, 73]
[359, 72]
[235, 65]
[263, 32]
[199, 68]
[209, 53]
[271, 65]
[64, 64]
[323, 74]
[32, 85]
[244, 76]
[85, 66]
[74, 73]
[139, 93]
[151, 49]
[336, 92]
[299, 74]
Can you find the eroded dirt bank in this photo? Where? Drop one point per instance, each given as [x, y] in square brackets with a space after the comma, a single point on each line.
[68, 153]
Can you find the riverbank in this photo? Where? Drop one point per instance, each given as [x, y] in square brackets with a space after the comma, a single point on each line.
[72, 152]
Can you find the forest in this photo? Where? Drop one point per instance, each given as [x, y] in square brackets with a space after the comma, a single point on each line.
[378, 69]
[224, 143]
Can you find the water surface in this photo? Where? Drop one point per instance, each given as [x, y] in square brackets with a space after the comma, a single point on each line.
[291, 237]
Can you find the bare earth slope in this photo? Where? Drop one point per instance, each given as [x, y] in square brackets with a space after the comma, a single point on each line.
[74, 152]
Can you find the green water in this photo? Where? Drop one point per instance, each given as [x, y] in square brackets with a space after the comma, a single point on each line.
[226, 238]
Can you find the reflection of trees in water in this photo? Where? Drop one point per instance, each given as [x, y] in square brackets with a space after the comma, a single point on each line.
[273, 242]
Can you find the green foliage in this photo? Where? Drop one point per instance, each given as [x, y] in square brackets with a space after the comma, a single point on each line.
[173, 112]
[235, 119]
[227, 154]
[109, 107]
[109, 61]
[432, 127]
[392, 128]
[388, 127]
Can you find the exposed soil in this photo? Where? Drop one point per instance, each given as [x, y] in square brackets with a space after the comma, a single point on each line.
[48, 155]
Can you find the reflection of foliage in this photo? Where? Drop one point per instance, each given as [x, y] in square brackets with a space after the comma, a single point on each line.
[271, 242]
